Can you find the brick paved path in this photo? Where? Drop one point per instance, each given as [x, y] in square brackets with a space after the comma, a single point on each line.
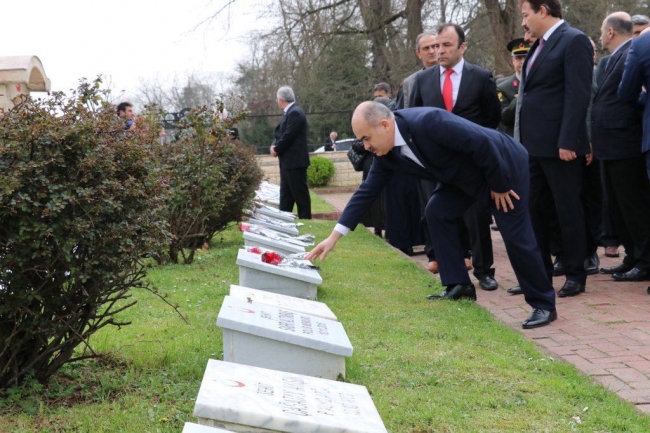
[605, 332]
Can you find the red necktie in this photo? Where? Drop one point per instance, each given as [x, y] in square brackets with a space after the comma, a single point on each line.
[448, 90]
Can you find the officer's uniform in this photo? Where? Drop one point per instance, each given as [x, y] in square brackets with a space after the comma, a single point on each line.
[508, 88]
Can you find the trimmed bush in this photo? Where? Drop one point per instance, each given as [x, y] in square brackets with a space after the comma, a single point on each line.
[320, 172]
[81, 204]
[212, 179]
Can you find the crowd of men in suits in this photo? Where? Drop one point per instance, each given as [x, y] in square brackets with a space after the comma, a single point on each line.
[582, 129]
[587, 162]
[584, 136]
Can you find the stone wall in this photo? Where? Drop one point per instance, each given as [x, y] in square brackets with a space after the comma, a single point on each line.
[344, 174]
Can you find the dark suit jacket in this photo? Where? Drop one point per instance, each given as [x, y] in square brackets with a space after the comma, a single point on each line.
[616, 125]
[291, 139]
[477, 99]
[637, 74]
[454, 151]
[555, 94]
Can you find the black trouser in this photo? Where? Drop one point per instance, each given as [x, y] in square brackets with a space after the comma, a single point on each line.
[425, 191]
[559, 183]
[294, 190]
[478, 219]
[628, 191]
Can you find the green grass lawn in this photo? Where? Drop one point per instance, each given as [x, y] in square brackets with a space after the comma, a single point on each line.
[429, 366]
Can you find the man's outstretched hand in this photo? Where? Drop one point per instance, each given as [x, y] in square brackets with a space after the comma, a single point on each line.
[503, 201]
[321, 250]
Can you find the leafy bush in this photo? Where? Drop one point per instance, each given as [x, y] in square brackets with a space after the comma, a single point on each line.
[320, 171]
[81, 204]
[211, 177]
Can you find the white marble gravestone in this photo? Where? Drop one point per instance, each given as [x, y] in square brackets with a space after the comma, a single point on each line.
[272, 212]
[250, 399]
[280, 339]
[305, 306]
[197, 428]
[298, 282]
[280, 226]
[255, 240]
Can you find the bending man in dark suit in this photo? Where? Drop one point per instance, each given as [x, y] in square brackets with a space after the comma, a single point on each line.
[290, 146]
[472, 95]
[617, 133]
[471, 163]
[554, 96]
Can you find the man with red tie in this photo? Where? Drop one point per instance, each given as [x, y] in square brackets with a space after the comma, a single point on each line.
[468, 91]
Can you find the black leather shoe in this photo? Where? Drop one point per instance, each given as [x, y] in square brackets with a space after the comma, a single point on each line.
[487, 282]
[515, 290]
[618, 269]
[591, 264]
[558, 267]
[539, 318]
[634, 274]
[455, 293]
[571, 288]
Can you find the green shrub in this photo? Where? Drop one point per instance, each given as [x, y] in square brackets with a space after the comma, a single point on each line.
[81, 204]
[320, 172]
[211, 179]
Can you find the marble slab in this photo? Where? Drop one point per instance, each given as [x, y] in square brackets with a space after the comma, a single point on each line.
[313, 308]
[198, 428]
[270, 337]
[282, 228]
[253, 273]
[272, 212]
[255, 240]
[250, 399]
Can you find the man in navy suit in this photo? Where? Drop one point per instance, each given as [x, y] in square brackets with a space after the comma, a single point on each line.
[617, 133]
[635, 77]
[554, 96]
[472, 96]
[290, 146]
[471, 163]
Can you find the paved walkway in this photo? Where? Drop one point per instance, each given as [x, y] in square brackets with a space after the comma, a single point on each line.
[605, 332]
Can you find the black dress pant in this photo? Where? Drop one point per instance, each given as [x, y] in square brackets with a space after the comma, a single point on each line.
[628, 191]
[425, 191]
[448, 204]
[478, 219]
[559, 183]
[294, 190]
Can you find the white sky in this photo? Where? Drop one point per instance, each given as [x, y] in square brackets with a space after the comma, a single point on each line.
[126, 41]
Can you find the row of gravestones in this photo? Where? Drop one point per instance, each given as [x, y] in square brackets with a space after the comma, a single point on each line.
[283, 351]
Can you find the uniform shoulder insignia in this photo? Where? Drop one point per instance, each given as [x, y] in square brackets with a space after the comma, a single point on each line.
[500, 94]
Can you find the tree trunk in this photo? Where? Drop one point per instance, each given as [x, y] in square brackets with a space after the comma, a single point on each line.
[505, 27]
[414, 25]
[372, 13]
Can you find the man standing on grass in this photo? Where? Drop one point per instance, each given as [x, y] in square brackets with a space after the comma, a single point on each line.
[472, 164]
[290, 147]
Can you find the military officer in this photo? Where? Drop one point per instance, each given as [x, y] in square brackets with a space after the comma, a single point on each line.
[508, 88]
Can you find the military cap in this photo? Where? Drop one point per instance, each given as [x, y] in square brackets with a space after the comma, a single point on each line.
[518, 47]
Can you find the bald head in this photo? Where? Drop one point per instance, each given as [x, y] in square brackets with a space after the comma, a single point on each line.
[374, 124]
[616, 29]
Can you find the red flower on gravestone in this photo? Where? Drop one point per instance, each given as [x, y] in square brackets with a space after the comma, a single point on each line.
[272, 258]
[244, 227]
